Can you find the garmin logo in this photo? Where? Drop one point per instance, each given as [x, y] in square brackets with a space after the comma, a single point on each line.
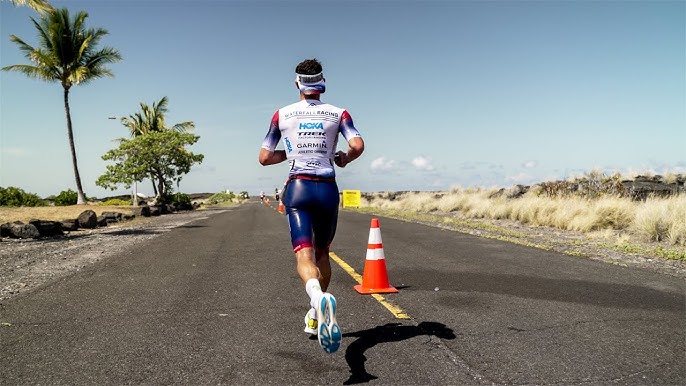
[312, 145]
[311, 126]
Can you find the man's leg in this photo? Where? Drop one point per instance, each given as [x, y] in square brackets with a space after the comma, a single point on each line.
[324, 265]
[307, 269]
[314, 264]
[310, 275]
[316, 275]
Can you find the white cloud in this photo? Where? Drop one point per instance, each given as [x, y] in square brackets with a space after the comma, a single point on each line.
[15, 151]
[204, 168]
[518, 178]
[423, 163]
[530, 164]
[382, 164]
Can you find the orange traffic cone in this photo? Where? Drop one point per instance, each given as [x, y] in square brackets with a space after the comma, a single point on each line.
[375, 277]
[281, 207]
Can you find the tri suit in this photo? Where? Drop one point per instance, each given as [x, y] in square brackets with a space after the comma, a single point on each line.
[309, 130]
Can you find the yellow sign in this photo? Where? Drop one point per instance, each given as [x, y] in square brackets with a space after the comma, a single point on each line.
[352, 198]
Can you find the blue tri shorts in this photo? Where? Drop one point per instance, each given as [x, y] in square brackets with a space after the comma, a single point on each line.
[312, 211]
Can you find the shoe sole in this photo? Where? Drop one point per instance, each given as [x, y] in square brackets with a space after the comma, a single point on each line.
[329, 335]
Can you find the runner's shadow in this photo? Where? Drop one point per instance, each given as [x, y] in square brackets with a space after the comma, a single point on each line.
[391, 332]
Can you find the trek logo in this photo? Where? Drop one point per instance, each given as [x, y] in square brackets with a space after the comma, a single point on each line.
[288, 145]
[311, 134]
[311, 126]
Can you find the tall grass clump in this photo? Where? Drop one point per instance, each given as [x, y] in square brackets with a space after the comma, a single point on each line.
[660, 219]
[470, 202]
[591, 203]
[384, 200]
[420, 202]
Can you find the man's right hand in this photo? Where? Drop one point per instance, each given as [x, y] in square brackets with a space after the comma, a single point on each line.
[340, 159]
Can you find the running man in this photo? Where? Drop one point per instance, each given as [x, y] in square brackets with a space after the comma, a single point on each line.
[309, 129]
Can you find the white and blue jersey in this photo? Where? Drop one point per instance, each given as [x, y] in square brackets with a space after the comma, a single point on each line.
[309, 129]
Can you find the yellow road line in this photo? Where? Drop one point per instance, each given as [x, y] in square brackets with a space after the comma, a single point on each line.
[395, 310]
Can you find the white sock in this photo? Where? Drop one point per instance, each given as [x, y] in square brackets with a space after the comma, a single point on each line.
[314, 290]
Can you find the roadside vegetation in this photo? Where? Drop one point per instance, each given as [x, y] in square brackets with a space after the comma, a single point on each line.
[18, 205]
[227, 198]
[154, 151]
[598, 207]
[57, 213]
[67, 53]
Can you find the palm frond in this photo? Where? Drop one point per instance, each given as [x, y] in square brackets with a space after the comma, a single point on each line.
[184, 127]
[30, 71]
[40, 6]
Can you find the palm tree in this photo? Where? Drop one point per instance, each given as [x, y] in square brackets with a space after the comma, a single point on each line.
[66, 54]
[152, 120]
[39, 6]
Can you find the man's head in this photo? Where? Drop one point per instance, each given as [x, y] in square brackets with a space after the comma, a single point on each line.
[308, 67]
[309, 77]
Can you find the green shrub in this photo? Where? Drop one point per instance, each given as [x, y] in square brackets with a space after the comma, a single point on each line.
[116, 202]
[12, 196]
[221, 197]
[66, 198]
[181, 198]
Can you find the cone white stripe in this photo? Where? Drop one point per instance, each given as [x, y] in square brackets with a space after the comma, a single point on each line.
[374, 236]
[375, 254]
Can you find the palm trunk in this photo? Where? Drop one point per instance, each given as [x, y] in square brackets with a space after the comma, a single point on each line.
[79, 190]
[154, 185]
[160, 185]
[160, 188]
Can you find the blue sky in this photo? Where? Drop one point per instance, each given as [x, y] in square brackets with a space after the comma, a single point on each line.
[445, 93]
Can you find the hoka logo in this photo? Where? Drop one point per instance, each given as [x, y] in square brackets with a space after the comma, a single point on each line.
[288, 145]
[311, 126]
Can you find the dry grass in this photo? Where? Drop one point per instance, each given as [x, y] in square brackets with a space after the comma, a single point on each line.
[55, 213]
[662, 219]
[656, 219]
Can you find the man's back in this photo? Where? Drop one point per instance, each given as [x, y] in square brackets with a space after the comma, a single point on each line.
[309, 129]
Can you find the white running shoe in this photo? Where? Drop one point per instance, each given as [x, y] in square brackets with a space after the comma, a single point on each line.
[329, 334]
[311, 322]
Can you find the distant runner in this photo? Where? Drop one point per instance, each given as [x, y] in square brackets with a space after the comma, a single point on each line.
[309, 130]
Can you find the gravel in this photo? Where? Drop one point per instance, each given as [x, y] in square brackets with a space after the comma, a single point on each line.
[27, 263]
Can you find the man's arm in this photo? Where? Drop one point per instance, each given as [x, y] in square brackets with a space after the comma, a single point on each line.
[271, 157]
[355, 149]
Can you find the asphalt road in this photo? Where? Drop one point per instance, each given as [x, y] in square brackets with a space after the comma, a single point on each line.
[218, 301]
